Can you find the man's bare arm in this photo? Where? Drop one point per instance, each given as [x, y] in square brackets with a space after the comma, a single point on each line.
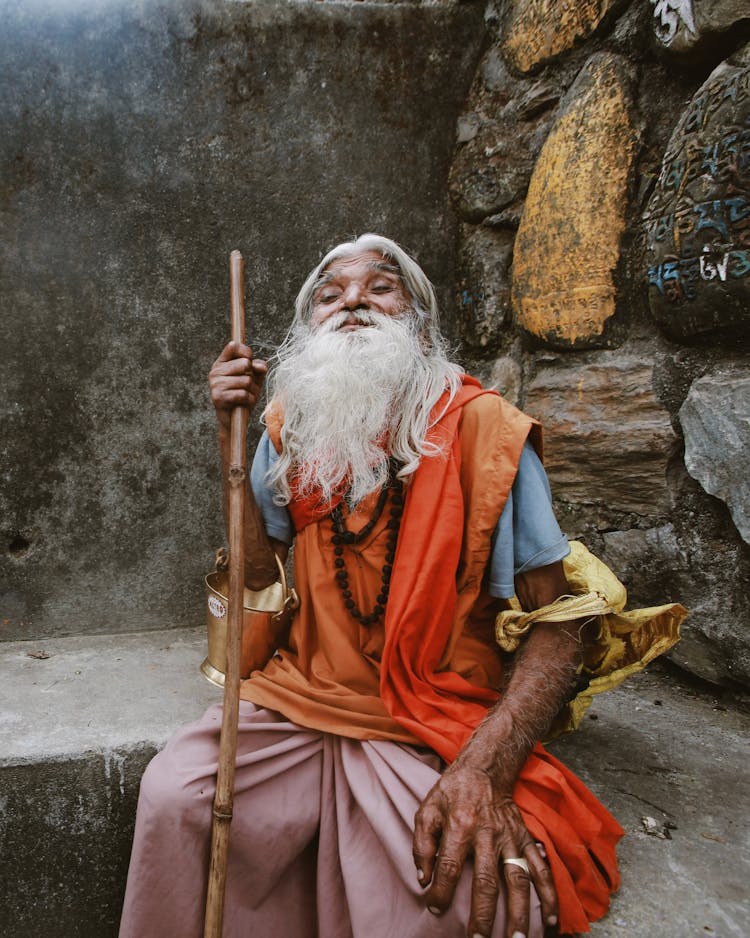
[236, 379]
[470, 811]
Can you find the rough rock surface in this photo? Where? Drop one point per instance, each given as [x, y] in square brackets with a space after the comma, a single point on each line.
[568, 243]
[607, 438]
[500, 133]
[681, 25]
[715, 420]
[506, 377]
[537, 31]
[698, 218]
[483, 300]
[709, 573]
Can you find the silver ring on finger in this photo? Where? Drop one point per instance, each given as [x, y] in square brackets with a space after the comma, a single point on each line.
[517, 861]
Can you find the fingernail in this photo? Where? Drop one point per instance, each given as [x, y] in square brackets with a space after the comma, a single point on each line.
[477, 935]
[518, 934]
[434, 909]
[552, 920]
[420, 874]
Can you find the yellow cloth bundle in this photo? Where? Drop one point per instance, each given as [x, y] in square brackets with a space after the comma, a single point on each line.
[622, 642]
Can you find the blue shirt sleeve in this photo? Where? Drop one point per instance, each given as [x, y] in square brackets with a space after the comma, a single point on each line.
[275, 517]
[527, 535]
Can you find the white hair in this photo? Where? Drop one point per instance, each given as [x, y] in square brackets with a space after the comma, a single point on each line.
[354, 400]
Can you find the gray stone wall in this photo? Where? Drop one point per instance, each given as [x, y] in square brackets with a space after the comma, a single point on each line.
[140, 143]
[602, 177]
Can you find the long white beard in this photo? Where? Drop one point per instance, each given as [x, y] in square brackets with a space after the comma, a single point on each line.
[350, 400]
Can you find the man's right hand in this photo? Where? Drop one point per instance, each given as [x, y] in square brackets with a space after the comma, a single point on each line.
[235, 379]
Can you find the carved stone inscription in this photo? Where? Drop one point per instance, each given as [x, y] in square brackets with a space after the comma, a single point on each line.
[539, 30]
[680, 25]
[698, 218]
[673, 19]
[568, 242]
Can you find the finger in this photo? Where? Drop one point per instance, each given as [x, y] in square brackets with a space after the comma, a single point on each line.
[235, 350]
[517, 882]
[485, 888]
[228, 391]
[428, 825]
[447, 872]
[235, 366]
[541, 876]
[238, 357]
[237, 399]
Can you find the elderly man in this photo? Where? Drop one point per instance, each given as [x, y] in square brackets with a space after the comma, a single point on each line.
[389, 777]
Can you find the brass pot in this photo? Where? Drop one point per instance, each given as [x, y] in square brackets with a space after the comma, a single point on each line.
[267, 616]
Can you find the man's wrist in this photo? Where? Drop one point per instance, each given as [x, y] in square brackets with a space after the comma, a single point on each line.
[498, 747]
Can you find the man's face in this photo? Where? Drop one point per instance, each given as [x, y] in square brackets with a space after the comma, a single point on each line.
[364, 281]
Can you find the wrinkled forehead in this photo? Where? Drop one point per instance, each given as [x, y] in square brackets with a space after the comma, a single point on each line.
[358, 264]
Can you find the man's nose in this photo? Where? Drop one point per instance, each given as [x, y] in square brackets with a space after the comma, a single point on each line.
[354, 297]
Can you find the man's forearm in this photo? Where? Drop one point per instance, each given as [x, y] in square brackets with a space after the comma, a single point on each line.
[543, 675]
[260, 563]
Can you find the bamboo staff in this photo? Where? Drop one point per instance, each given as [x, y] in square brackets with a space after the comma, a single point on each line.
[224, 799]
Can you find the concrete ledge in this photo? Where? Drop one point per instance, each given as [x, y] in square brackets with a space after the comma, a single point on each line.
[77, 729]
[76, 732]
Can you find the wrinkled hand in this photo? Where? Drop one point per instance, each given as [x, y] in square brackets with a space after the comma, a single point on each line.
[467, 814]
[235, 379]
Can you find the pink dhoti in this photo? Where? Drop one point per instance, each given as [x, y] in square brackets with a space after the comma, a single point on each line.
[320, 842]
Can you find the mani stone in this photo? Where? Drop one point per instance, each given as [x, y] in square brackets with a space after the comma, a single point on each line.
[681, 25]
[715, 420]
[607, 438]
[568, 242]
[537, 31]
[697, 222]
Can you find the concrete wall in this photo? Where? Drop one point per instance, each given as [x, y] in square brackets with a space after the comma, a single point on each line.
[140, 143]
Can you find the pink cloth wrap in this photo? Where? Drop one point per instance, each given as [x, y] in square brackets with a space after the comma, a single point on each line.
[320, 842]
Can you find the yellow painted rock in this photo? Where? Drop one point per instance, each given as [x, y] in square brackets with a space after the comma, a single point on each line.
[568, 242]
[539, 30]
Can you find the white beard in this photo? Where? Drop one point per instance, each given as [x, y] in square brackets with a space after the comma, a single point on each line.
[352, 398]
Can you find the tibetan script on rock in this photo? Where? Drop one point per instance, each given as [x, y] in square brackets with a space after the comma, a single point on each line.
[568, 242]
[680, 25]
[697, 222]
[537, 31]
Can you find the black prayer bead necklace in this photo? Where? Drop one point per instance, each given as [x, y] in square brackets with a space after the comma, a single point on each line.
[342, 536]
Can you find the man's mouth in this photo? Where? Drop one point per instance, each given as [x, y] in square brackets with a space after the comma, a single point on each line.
[352, 324]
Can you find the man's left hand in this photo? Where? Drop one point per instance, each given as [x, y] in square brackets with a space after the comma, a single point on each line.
[468, 814]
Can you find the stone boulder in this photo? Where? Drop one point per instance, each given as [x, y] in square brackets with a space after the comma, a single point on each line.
[692, 563]
[537, 31]
[568, 243]
[607, 439]
[715, 420]
[697, 222]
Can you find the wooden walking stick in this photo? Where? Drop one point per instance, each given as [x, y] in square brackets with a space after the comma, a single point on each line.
[224, 799]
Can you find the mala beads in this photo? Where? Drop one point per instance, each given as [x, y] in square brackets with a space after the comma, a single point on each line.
[342, 537]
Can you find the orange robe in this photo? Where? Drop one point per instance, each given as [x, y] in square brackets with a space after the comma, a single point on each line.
[428, 674]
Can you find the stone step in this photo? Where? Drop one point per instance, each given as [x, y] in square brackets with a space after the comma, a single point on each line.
[78, 727]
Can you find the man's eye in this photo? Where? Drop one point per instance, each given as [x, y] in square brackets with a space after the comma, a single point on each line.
[382, 288]
[327, 297]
